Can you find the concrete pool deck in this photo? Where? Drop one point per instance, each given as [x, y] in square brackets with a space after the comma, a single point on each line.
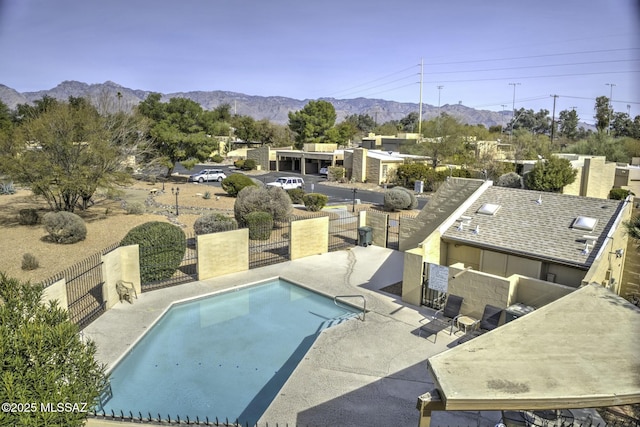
[360, 373]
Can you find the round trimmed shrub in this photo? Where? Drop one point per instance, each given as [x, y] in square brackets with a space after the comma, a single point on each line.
[414, 202]
[274, 200]
[296, 195]
[64, 227]
[214, 223]
[28, 216]
[260, 225]
[315, 201]
[396, 199]
[234, 183]
[162, 248]
[249, 164]
[217, 158]
[509, 180]
[135, 208]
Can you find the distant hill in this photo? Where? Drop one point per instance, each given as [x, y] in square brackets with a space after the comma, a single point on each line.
[274, 108]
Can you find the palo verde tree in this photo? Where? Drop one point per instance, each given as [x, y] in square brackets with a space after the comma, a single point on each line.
[44, 361]
[181, 131]
[64, 153]
[569, 124]
[550, 175]
[603, 113]
[312, 122]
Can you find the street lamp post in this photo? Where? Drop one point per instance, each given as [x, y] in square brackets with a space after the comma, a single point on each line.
[176, 192]
[353, 200]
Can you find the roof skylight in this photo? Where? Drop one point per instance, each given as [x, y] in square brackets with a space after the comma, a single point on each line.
[488, 209]
[584, 223]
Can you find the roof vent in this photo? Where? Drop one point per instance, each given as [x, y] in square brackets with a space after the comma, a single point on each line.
[584, 223]
[488, 209]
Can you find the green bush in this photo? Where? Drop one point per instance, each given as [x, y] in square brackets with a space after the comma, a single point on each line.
[509, 180]
[414, 202]
[273, 200]
[28, 216]
[135, 208]
[207, 195]
[619, 193]
[217, 158]
[315, 201]
[64, 227]
[296, 195]
[239, 163]
[162, 248]
[336, 173]
[213, 223]
[260, 225]
[234, 183]
[396, 199]
[249, 164]
[29, 262]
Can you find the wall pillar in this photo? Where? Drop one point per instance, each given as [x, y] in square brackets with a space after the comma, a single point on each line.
[412, 274]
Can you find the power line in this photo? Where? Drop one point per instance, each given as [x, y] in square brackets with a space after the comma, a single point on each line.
[533, 66]
[373, 81]
[533, 77]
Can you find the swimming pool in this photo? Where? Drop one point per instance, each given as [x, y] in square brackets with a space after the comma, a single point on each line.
[225, 356]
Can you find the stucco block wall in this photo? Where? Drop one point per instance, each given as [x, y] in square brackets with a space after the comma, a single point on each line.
[379, 222]
[432, 248]
[222, 253]
[309, 237]
[537, 293]
[412, 274]
[465, 255]
[479, 289]
[261, 155]
[122, 263]
[599, 177]
[408, 231]
[359, 164]
[56, 292]
[374, 170]
[319, 148]
[575, 187]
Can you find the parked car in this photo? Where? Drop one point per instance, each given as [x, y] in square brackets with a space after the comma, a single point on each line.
[324, 171]
[287, 183]
[208, 175]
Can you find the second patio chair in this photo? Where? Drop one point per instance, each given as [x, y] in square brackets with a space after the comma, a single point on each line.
[490, 320]
[445, 317]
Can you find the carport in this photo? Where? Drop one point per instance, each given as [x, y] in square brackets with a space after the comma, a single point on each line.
[580, 351]
[306, 161]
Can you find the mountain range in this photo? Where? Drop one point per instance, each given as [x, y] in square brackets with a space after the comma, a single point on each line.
[112, 96]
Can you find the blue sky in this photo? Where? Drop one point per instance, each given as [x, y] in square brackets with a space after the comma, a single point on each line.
[307, 49]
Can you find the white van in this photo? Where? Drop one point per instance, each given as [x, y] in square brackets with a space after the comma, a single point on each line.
[287, 183]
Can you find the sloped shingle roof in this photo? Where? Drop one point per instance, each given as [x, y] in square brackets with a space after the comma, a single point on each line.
[539, 230]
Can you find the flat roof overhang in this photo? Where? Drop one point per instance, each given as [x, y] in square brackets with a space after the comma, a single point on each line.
[580, 351]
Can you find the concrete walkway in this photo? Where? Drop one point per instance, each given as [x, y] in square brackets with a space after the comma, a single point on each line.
[360, 373]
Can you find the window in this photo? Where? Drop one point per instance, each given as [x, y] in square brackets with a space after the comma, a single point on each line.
[584, 223]
[488, 209]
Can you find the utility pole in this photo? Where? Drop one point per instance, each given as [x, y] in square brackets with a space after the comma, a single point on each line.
[553, 119]
[502, 125]
[439, 90]
[513, 108]
[420, 113]
[611, 85]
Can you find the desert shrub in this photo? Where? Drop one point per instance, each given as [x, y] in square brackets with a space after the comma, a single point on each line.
[28, 216]
[234, 183]
[217, 158]
[396, 199]
[414, 202]
[619, 193]
[162, 248]
[336, 173]
[207, 195]
[315, 201]
[29, 262]
[7, 188]
[135, 208]
[296, 195]
[260, 225]
[239, 163]
[273, 200]
[510, 180]
[213, 223]
[249, 164]
[64, 227]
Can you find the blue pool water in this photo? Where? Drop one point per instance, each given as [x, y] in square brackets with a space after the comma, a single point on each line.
[224, 356]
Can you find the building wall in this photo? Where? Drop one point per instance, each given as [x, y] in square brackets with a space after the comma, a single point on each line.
[214, 262]
[598, 177]
[309, 237]
[466, 255]
[479, 289]
[537, 293]
[56, 292]
[359, 165]
[122, 263]
[262, 156]
[374, 170]
[320, 148]
[379, 222]
[412, 273]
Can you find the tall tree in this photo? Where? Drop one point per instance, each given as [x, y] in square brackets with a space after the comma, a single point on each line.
[603, 113]
[621, 125]
[551, 175]
[569, 124]
[364, 123]
[43, 360]
[64, 154]
[409, 122]
[181, 131]
[445, 141]
[312, 122]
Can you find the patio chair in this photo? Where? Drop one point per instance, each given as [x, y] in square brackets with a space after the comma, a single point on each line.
[445, 317]
[514, 419]
[490, 320]
[126, 291]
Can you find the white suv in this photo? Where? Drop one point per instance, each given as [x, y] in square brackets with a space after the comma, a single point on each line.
[287, 183]
[208, 175]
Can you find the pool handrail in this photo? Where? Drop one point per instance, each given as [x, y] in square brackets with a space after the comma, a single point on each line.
[364, 303]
